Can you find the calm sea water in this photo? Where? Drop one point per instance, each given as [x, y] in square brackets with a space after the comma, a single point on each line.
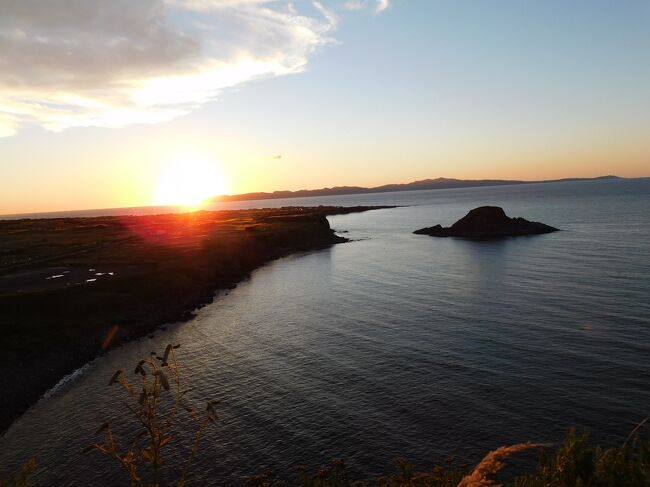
[400, 345]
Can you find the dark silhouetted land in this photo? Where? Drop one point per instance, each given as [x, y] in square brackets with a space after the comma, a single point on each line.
[72, 287]
[487, 222]
[439, 183]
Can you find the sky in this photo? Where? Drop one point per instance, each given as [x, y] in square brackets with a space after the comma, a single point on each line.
[120, 103]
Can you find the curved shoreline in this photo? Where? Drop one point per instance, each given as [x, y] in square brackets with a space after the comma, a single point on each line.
[55, 330]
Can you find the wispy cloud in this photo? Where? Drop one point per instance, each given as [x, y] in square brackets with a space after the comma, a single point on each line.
[67, 63]
[382, 5]
[377, 5]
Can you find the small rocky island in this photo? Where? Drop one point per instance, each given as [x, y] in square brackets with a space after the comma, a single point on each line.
[487, 222]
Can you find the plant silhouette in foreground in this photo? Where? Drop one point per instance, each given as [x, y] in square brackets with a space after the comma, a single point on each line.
[576, 463]
[155, 402]
[23, 477]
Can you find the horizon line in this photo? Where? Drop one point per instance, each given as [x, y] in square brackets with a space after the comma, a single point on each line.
[470, 183]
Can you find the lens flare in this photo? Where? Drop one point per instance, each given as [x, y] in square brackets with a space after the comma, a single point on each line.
[188, 182]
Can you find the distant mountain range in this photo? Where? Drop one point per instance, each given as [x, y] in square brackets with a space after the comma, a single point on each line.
[439, 183]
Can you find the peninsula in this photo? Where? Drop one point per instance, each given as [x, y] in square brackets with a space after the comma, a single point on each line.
[73, 287]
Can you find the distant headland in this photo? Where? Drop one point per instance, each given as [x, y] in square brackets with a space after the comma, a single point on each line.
[438, 183]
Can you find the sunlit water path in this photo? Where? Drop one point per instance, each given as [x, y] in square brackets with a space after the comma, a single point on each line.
[397, 344]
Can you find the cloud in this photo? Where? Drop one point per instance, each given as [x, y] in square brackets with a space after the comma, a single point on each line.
[67, 63]
[8, 125]
[377, 5]
[382, 5]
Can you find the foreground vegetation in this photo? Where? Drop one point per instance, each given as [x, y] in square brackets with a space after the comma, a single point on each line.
[575, 463]
[160, 412]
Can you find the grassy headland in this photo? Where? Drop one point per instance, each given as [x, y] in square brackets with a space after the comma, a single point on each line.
[72, 287]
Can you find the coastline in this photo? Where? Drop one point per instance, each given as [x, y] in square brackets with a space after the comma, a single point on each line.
[163, 268]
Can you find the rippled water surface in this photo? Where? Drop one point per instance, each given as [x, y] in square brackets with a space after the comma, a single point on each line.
[398, 344]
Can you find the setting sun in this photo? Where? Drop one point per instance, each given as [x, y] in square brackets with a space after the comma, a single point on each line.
[188, 182]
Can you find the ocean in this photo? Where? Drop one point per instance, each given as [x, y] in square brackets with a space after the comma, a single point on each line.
[398, 345]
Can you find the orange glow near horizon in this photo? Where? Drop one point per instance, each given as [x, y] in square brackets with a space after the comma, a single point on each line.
[188, 181]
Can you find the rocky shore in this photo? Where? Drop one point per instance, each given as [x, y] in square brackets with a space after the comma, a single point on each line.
[71, 288]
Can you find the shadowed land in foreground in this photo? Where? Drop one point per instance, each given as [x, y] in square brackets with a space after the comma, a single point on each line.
[72, 287]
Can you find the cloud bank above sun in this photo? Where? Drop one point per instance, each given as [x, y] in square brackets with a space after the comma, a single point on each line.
[71, 63]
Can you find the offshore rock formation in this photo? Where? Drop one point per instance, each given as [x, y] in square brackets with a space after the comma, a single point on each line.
[487, 222]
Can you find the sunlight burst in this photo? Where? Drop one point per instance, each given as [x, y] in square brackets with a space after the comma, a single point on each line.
[188, 182]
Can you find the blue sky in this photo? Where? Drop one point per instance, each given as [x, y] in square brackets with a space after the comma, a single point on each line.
[387, 92]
